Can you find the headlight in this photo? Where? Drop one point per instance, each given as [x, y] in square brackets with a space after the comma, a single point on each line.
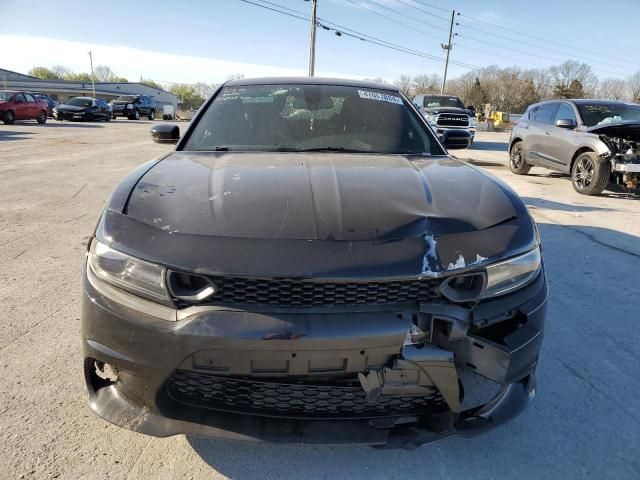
[129, 106]
[432, 119]
[512, 274]
[129, 273]
[473, 122]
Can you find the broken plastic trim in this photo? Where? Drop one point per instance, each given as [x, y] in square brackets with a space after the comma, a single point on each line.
[190, 287]
[419, 370]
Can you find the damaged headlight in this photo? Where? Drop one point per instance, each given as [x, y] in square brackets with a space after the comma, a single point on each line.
[512, 274]
[129, 273]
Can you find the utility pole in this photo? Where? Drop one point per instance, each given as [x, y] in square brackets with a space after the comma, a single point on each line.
[93, 83]
[448, 48]
[312, 42]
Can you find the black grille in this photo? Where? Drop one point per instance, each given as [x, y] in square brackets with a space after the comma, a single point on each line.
[300, 400]
[453, 120]
[290, 292]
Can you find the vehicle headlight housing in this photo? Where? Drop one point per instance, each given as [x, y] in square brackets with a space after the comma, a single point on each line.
[431, 118]
[128, 106]
[512, 274]
[137, 276]
[473, 122]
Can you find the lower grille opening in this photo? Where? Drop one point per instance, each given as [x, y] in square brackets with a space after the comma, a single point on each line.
[295, 399]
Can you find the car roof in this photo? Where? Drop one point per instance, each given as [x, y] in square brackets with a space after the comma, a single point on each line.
[85, 98]
[580, 101]
[310, 81]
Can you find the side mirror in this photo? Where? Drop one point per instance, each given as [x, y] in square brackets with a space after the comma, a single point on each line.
[165, 133]
[472, 108]
[453, 139]
[566, 123]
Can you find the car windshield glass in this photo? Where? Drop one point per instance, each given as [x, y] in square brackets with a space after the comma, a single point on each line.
[79, 102]
[4, 96]
[602, 113]
[311, 118]
[434, 101]
[126, 98]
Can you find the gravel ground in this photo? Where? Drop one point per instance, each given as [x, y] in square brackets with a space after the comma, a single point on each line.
[54, 180]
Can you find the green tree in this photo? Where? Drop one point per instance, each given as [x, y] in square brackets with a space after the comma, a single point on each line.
[150, 83]
[43, 73]
[187, 95]
[573, 90]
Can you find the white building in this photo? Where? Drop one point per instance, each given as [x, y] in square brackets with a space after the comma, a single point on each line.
[62, 90]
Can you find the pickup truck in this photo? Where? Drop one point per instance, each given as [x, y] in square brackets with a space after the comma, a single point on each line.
[21, 106]
[448, 117]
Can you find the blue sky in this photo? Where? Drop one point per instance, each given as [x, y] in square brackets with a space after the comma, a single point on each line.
[208, 40]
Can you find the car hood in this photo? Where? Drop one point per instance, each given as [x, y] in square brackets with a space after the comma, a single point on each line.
[335, 213]
[629, 129]
[436, 110]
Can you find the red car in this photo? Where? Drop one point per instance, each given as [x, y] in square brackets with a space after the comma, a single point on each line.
[21, 106]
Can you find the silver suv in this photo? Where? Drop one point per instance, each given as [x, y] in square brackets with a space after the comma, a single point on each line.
[596, 141]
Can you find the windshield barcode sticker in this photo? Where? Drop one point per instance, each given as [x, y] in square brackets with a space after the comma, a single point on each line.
[380, 97]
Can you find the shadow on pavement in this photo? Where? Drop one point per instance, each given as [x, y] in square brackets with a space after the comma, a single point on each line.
[563, 207]
[484, 163]
[496, 146]
[69, 124]
[8, 135]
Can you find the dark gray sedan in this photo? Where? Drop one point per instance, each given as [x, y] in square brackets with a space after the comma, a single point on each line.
[309, 265]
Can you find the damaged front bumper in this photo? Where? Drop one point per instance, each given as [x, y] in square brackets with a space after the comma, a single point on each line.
[324, 377]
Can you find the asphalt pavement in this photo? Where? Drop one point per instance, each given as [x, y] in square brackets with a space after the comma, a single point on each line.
[584, 422]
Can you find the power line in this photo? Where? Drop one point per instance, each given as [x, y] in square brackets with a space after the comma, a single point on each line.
[429, 5]
[539, 46]
[571, 47]
[426, 11]
[398, 13]
[341, 30]
[409, 16]
[625, 62]
[525, 53]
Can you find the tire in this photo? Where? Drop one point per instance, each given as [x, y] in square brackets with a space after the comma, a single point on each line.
[107, 118]
[590, 174]
[152, 115]
[113, 117]
[517, 163]
[42, 117]
[136, 115]
[9, 118]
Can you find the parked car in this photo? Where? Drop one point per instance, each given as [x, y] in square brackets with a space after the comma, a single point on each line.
[309, 265]
[21, 106]
[448, 116]
[51, 103]
[597, 142]
[134, 106]
[83, 109]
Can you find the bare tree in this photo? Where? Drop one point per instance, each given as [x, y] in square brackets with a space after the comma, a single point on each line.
[633, 83]
[404, 84]
[612, 89]
[426, 83]
[571, 71]
[103, 73]
[203, 89]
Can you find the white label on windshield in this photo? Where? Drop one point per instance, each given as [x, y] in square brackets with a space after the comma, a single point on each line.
[380, 97]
